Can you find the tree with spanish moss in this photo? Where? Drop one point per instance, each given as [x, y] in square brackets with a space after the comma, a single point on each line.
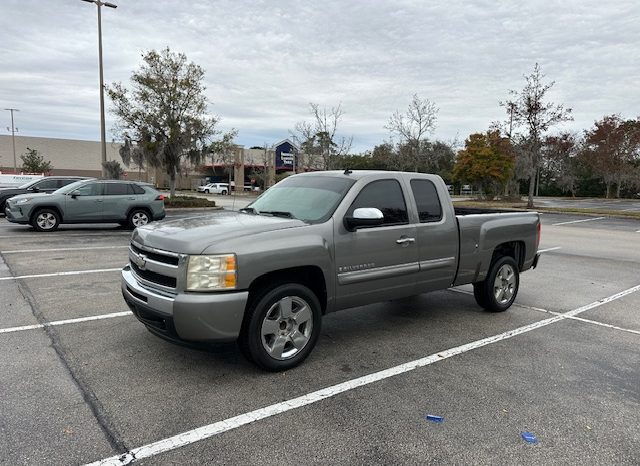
[529, 109]
[165, 111]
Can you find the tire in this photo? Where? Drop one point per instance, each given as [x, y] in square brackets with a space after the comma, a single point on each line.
[498, 291]
[45, 220]
[207, 191]
[138, 218]
[281, 327]
[224, 192]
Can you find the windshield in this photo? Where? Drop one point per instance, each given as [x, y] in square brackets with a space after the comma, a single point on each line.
[29, 184]
[309, 198]
[70, 187]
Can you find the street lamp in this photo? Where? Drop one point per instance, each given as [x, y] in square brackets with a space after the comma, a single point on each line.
[13, 139]
[103, 137]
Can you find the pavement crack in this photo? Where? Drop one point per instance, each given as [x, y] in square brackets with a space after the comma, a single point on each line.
[90, 398]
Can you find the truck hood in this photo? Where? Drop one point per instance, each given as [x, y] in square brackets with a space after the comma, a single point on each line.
[195, 234]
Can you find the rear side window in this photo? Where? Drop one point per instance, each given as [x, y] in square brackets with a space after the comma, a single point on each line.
[65, 182]
[427, 201]
[135, 189]
[116, 189]
[385, 195]
[47, 184]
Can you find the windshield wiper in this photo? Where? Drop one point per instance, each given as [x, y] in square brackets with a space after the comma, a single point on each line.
[278, 213]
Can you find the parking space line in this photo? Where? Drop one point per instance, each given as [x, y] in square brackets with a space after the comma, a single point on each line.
[60, 234]
[541, 251]
[87, 248]
[56, 323]
[60, 274]
[204, 432]
[578, 221]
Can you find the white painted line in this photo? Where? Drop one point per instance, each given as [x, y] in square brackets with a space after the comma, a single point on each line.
[60, 235]
[61, 274]
[87, 248]
[541, 251]
[578, 221]
[204, 432]
[638, 231]
[56, 323]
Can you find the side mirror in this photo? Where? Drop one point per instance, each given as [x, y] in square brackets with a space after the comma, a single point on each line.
[35, 189]
[364, 217]
[74, 194]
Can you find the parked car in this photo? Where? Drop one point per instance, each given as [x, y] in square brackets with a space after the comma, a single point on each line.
[215, 188]
[88, 201]
[316, 243]
[42, 185]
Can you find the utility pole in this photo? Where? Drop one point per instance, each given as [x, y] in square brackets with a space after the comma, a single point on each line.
[13, 139]
[103, 136]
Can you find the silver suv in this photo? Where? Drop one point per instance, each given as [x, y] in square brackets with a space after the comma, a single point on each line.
[89, 201]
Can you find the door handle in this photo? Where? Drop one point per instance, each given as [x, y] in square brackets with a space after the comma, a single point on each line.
[98, 200]
[405, 240]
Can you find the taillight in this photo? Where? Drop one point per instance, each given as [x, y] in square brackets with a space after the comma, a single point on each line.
[538, 238]
[160, 197]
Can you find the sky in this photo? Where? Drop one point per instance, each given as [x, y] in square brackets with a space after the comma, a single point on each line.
[265, 61]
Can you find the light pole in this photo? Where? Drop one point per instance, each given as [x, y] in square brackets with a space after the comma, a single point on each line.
[103, 136]
[13, 139]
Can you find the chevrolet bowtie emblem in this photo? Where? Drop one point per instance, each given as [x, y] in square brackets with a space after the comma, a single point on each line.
[140, 260]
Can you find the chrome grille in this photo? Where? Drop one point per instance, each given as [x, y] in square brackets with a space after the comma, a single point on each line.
[154, 268]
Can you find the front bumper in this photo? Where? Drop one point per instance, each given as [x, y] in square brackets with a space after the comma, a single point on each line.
[186, 317]
[16, 214]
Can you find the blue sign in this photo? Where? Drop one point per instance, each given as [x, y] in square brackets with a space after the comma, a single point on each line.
[285, 155]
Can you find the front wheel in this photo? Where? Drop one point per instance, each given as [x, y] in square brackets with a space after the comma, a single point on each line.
[498, 291]
[281, 327]
[45, 220]
[138, 218]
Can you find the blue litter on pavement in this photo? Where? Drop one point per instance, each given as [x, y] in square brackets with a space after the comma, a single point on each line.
[432, 418]
[528, 437]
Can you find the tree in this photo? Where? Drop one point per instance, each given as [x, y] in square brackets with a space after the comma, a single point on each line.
[318, 139]
[560, 161]
[113, 169]
[612, 150]
[529, 109]
[33, 162]
[487, 160]
[165, 112]
[222, 151]
[412, 127]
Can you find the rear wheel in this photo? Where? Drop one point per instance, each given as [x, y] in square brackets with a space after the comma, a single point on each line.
[498, 291]
[45, 220]
[281, 327]
[224, 192]
[138, 218]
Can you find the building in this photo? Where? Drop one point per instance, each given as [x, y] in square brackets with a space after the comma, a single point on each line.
[258, 167]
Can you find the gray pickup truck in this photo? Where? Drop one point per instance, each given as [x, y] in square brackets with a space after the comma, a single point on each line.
[316, 243]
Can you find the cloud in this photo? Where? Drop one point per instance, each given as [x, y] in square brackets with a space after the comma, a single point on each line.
[265, 61]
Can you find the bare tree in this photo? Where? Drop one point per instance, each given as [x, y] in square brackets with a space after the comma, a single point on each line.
[530, 110]
[412, 127]
[318, 139]
[223, 152]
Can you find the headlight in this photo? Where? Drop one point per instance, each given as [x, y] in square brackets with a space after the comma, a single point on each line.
[23, 201]
[210, 273]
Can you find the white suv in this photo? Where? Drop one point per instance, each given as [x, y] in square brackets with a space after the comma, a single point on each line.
[215, 188]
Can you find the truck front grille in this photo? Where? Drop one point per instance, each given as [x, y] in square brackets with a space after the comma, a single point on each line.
[154, 268]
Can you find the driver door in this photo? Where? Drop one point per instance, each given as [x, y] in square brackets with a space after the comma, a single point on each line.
[85, 204]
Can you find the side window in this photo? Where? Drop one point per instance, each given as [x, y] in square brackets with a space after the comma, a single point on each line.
[65, 182]
[135, 189]
[89, 189]
[47, 184]
[116, 189]
[427, 201]
[385, 195]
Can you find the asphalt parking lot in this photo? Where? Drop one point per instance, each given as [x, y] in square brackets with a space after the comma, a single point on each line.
[83, 381]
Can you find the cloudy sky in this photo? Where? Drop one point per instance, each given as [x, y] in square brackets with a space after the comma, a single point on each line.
[266, 60]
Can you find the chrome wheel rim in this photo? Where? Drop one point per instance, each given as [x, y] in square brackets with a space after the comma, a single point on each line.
[286, 328]
[139, 219]
[504, 286]
[46, 220]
